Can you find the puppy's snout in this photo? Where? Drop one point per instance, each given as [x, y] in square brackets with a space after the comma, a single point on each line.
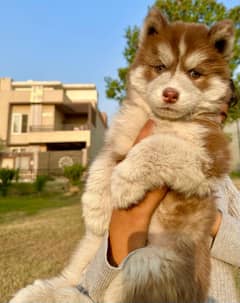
[170, 95]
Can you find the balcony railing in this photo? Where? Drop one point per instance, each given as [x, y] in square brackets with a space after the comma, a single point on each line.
[51, 128]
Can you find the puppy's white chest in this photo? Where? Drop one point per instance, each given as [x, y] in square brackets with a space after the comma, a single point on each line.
[189, 131]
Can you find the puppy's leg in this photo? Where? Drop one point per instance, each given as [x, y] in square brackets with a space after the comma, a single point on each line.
[31, 294]
[119, 139]
[155, 161]
[96, 199]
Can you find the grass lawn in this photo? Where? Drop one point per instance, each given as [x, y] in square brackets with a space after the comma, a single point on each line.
[37, 237]
[15, 207]
[38, 233]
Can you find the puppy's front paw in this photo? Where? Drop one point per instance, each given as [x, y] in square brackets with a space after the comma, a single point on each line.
[70, 295]
[125, 191]
[33, 294]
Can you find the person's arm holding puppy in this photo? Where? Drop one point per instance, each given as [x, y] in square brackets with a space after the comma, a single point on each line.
[128, 232]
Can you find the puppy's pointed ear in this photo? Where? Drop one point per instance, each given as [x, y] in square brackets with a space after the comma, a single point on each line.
[153, 24]
[222, 37]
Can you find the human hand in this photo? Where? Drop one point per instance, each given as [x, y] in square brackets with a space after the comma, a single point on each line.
[128, 227]
[216, 224]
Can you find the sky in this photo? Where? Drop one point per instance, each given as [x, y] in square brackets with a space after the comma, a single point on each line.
[72, 41]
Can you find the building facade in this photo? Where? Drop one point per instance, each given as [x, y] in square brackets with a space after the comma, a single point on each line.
[46, 125]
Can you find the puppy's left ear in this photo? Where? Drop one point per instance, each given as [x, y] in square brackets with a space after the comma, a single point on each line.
[222, 37]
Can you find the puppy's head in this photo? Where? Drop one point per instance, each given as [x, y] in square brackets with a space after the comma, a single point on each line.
[181, 68]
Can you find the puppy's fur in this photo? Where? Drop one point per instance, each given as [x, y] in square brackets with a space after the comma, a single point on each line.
[187, 151]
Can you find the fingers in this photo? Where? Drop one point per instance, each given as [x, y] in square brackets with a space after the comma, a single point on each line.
[216, 224]
[152, 200]
[128, 227]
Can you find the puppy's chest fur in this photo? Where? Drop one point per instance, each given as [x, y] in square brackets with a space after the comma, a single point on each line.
[204, 134]
[191, 132]
[176, 212]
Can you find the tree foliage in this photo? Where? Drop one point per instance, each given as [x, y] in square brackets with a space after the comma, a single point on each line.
[203, 11]
[74, 173]
[40, 183]
[116, 88]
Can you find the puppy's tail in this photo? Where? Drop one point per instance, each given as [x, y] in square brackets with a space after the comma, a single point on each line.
[176, 272]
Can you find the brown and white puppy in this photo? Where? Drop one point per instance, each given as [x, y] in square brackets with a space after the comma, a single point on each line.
[180, 75]
[179, 79]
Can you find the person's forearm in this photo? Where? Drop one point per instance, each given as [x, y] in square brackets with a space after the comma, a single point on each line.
[98, 274]
[129, 227]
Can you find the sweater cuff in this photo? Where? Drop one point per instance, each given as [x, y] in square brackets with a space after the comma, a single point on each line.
[99, 273]
[226, 245]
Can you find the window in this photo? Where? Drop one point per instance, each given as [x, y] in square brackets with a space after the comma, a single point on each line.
[22, 163]
[18, 150]
[19, 123]
[24, 123]
[16, 123]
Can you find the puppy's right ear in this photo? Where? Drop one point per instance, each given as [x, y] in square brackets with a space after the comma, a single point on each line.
[153, 24]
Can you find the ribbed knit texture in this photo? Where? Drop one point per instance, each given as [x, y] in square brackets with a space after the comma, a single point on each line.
[99, 274]
[226, 247]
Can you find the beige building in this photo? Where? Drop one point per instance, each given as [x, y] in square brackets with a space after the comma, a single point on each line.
[46, 125]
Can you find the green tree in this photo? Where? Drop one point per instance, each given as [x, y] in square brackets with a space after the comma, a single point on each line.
[7, 175]
[40, 183]
[74, 173]
[204, 11]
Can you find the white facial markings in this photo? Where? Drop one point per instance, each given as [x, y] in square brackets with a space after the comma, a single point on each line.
[217, 88]
[192, 99]
[155, 87]
[189, 95]
[215, 93]
[182, 47]
[212, 96]
[194, 59]
[137, 79]
[166, 54]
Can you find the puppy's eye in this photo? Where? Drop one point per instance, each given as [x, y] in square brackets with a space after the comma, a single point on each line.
[159, 68]
[194, 74]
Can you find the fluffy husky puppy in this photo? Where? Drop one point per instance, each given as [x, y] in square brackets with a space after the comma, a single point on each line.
[179, 79]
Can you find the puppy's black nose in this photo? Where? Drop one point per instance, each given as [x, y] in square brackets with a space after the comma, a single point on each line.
[170, 95]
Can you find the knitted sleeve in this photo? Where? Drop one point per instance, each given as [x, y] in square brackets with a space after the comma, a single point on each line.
[98, 275]
[226, 246]
[234, 198]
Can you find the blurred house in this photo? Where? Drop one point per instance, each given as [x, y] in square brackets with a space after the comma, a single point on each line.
[48, 124]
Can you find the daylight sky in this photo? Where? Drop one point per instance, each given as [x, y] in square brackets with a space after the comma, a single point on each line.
[68, 40]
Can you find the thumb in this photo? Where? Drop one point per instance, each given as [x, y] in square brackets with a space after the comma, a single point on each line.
[152, 200]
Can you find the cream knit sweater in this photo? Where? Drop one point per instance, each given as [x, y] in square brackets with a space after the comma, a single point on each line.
[225, 256]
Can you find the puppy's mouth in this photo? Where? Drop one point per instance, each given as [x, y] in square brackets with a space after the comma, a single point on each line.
[167, 109]
[169, 112]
